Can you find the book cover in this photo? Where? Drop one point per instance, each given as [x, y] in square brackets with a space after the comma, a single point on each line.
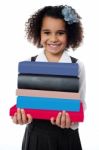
[48, 68]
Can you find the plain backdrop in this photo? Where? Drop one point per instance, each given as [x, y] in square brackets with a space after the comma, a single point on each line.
[14, 47]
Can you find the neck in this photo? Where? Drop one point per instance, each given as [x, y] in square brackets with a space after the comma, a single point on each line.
[53, 57]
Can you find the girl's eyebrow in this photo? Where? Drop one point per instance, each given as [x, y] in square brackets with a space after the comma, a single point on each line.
[62, 30]
[45, 30]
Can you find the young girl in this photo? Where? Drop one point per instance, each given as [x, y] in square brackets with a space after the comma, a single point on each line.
[56, 29]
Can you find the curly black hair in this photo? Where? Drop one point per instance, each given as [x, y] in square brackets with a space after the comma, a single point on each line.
[34, 24]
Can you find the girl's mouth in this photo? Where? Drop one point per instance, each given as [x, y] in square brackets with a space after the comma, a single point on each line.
[54, 45]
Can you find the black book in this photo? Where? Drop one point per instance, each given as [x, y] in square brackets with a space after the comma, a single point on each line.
[51, 83]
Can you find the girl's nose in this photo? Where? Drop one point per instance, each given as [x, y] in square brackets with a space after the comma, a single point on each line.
[53, 38]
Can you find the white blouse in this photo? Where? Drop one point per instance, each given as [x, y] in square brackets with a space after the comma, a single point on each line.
[65, 58]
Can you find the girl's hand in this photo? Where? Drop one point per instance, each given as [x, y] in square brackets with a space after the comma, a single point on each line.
[21, 118]
[62, 120]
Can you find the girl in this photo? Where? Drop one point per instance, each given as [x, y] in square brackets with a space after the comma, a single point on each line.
[56, 29]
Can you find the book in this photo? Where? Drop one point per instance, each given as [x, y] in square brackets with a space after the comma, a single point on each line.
[45, 103]
[45, 93]
[48, 68]
[47, 114]
[51, 83]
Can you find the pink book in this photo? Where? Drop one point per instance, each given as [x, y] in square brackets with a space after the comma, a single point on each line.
[47, 114]
[45, 93]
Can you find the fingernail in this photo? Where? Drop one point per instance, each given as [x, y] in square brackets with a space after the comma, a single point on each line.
[22, 110]
[66, 114]
[60, 113]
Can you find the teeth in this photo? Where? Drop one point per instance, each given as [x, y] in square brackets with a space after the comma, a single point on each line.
[53, 45]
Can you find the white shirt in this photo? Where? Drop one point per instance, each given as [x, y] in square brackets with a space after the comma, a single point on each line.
[65, 58]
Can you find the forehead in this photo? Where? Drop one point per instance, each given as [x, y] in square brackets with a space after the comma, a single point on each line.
[53, 23]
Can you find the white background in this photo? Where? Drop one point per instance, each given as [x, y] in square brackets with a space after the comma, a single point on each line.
[14, 48]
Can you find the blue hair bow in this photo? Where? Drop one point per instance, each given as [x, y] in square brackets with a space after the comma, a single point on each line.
[69, 15]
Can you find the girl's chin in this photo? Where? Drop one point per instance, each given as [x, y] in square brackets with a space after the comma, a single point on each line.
[53, 51]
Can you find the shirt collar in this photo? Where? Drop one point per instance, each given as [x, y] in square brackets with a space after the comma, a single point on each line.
[64, 58]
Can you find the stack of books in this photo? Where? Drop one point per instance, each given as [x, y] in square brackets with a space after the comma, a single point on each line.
[46, 88]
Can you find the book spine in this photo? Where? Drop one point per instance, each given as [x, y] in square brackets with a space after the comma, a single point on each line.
[64, 69]
[48, 103]
[49, 83]
[50, 94]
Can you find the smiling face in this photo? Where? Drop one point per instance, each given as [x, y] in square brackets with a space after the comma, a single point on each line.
[53, 36]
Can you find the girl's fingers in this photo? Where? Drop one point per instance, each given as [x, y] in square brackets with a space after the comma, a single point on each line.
[23, 116]
[53, 120]
[63, 119]
[14, 118]
[68, 121]
[72, 123]
[29, 118]
[58, 119]
[19, 116]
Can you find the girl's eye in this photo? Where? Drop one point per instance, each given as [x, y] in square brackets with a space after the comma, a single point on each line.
[47, 33]
[61, 33]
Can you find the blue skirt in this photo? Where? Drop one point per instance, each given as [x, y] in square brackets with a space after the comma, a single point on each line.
[42, 135]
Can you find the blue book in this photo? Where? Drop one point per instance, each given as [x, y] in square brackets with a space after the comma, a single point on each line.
[48, 103]
[48, 68]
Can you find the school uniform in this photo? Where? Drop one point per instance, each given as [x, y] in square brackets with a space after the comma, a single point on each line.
[42, 135]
